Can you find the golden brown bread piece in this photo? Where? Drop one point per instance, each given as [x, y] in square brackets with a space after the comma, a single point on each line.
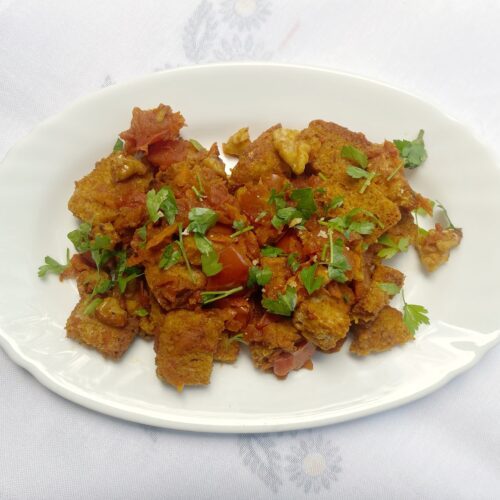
[100, 198]
[173, 287]
[110, 341]
[323, 319]
[227, 349]
[185, 346]
[384, 332]
[369, 305]
[259, 159]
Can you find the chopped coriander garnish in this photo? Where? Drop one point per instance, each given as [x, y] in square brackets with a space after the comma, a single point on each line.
[414, 315]
[346, 225]
[322, 176]
[337, 202]
[323, 252]
[142, 232]
[123, 274]
[100, 250]
[260, 216]
[180, 242]
[358, 173]
[293, 261]
[197, 145]
[305, 201]
[161, 203]
[285, 216]
[355, 155]
[52, 266]
[278, 199]
[390, 288]
[200, 190]
[310, 280]
[141, 312]
[269, 251]
[362, 227]
[210, 264]
[445, 213]
[80, 237]
[412, 153]
[212, 296]
[201, 219]
[392, 247]
[395, 171]
[338, 264]
[92, 306]
[171, 256]
[259, 276]
[118, 145]
[102, 286]
[284, 305]
[240, 227]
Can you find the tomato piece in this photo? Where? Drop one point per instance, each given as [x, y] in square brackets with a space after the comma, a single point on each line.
[234, 269]
[165, 153]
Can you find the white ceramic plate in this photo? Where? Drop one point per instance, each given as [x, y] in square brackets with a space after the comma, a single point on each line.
[36, 180]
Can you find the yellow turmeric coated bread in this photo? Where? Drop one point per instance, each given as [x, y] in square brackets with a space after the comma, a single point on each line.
[284, 256]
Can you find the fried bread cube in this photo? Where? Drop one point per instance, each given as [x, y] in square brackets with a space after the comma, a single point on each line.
[185, 345]
[375, 298]
[110, 340]
[384, 332]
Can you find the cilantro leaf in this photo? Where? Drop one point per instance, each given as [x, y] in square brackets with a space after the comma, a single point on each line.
[390, 288]
[284, 216]
[412, 153]
[100, 250]
[210, 264]
[278, 199]
[123, 274]
[356, 172]
[171, 256]
[212, 296]
[240, 227]
[260, 216]
[197, 145]
[414, 315]
[52, 266]
[284, 305]
[338, 264]
[80, 237]
[354, 154]
[337, 202]
[118, 145]
[362, 227]
[201, 219]
[161, 203]
[269, 251]
[142, 232]
[92, 306]
[293, 261]
[392, 247]
[180, 242]
[259, 276]
[141, 312]
[305, 201]
[310, 280]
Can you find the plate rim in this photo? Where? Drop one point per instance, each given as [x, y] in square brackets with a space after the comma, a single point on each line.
[196, 423]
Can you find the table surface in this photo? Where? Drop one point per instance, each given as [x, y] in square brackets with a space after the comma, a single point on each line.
[446, 445]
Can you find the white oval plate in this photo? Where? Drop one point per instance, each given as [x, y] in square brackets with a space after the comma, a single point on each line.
[36, 180]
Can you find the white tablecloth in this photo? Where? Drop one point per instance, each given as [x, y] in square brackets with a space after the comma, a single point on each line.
[446, 446]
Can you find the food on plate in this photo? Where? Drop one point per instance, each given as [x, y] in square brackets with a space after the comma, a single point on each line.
[285, 256]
